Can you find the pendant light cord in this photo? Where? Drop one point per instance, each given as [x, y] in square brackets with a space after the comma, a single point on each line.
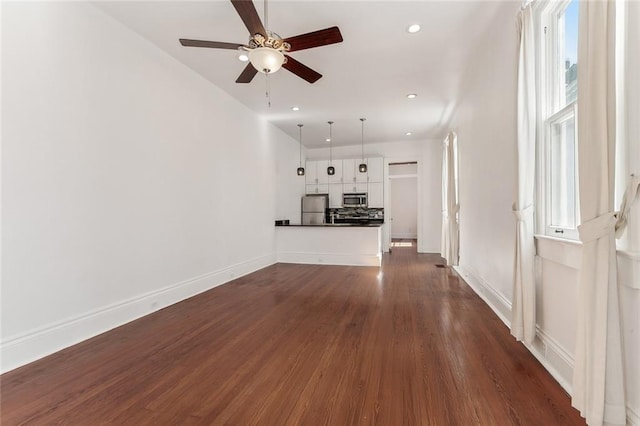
[268, 93]
[362, 121]
[300, 127]
[330, 141]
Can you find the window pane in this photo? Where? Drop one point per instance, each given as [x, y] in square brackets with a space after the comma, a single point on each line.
[563, 185]
[568, 47]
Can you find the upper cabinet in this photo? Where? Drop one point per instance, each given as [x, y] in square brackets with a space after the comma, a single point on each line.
[316, 172]
[351, 173]
[348, 171]
[323, 177]
[336, 178]
[310, 172]
[347, 174]
[375, 168]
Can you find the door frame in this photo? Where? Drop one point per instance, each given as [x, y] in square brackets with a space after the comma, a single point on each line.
[386, 230]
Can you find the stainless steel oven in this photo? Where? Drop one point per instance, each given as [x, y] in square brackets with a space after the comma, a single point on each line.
[357, 199]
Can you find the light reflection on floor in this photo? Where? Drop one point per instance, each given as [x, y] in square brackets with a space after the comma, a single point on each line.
[402, 244]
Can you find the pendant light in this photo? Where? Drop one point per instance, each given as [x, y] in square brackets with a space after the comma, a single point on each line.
[300, 169]
[363, 166]
[330, 170]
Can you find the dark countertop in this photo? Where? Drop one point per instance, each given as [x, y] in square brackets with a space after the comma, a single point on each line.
[337, 225]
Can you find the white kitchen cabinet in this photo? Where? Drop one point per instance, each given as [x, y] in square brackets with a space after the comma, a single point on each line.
[348, 171]
[351, 172]
[361, 177]
[316, 172]
[310, 172]
[347, 179]
[337, 178]
[323, 177]
[317, 189]
[375, 169]
[375, 196]
[335, 195]
[354, 187]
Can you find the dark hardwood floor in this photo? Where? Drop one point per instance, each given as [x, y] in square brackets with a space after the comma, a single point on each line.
[408, 344]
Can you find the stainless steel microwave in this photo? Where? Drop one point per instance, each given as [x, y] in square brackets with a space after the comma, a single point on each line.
[358, 199]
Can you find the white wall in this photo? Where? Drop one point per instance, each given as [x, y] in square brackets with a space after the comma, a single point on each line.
[485, 121]
[428, 154]
[129, 182]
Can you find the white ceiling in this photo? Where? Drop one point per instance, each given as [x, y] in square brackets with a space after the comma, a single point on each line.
[368, 75]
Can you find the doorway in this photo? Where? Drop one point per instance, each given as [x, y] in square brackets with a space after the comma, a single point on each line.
[403, 204]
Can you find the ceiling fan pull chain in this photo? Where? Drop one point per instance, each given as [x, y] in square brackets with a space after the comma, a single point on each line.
[268, 90]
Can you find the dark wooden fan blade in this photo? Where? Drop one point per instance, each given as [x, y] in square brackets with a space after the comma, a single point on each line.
[212, 44]
[249, 16]
[315, 39]
[301, 70]
[247, 74]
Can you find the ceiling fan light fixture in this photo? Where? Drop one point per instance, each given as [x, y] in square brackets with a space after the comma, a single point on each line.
[266, 60]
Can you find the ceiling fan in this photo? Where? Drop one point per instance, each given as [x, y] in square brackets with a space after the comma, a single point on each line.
[266, 50]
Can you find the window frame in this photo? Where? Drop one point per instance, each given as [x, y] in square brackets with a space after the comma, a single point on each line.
[568, 112]
[549, 29]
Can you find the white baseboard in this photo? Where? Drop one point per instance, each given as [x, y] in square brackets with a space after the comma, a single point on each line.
[633, 419]
[497, 302]
[17, 351]
[405, 236]
[331, 258]
[555, 359]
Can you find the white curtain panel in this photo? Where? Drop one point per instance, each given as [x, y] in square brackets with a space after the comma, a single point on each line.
[443, 236]
[450, 207]
[631, 194]
[598, 379]
[523, 310]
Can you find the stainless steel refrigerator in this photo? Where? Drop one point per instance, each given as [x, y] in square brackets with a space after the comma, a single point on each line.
[314, 209]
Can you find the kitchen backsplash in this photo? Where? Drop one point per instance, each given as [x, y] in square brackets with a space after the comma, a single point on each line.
[356, 214]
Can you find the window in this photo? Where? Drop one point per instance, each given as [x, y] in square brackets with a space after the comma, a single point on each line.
[559, 79]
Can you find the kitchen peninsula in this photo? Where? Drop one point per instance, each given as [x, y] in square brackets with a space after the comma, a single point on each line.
[331, 244]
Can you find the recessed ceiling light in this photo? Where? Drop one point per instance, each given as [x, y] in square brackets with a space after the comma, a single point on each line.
[413, 28]
[412, 95]
[408, 134]
[327, 140]
[295, 108]
[243, 57]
